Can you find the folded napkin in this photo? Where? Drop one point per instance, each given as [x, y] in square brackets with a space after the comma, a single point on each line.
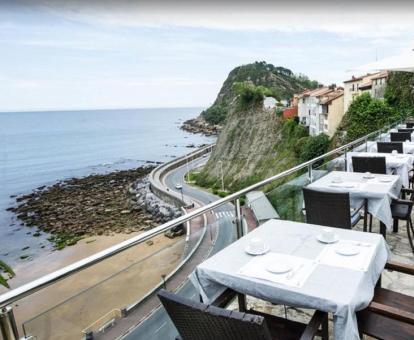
[359, 262]
[296, 277]
[347, 185]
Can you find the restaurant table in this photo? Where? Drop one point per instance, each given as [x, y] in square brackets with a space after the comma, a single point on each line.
[378, 193]
[341, 290]
[401, 163]
[408, 147]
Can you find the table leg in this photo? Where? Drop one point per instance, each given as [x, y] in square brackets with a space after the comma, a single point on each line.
[383, 229]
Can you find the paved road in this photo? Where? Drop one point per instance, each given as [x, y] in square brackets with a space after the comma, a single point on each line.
[158, 326]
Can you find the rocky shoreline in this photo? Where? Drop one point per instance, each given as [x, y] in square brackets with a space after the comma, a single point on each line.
[104, 204]
[199, 125]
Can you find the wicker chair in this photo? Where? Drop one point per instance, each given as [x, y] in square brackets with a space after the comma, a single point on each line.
[195, 320]
[410, 125]
[389, 147]
[332, 209]
[400, 136]
[390, 315]
[375, 165]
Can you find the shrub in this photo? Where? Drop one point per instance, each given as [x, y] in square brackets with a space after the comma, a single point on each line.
[250, 93]
[313, 147]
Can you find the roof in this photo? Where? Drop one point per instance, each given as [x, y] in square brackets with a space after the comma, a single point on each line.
[261, 206]
[329, 97]
[320, 91]
[354, 79]
[290, 112]
[382, 74]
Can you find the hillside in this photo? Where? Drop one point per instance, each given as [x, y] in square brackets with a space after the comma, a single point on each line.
[281, 81]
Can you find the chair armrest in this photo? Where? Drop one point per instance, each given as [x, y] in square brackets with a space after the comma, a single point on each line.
[224, 299]
[400, 267]
[391, 312]
[401, 201]
[312, 327]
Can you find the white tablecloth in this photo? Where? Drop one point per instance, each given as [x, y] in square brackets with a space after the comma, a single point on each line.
[378, 194]
[407, 147]
[329, 288]
[401, 163]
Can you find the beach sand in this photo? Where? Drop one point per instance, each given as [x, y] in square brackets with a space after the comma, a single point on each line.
[76, 302]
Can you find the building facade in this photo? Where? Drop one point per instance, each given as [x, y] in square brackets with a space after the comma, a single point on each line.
[374, 84]
[332, 107]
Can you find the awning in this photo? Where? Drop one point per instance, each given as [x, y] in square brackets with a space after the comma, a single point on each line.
[403, 62]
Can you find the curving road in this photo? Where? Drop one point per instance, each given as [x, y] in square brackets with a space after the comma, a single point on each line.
[158, 325]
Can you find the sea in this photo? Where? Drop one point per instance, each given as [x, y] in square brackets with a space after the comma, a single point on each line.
[41, 148]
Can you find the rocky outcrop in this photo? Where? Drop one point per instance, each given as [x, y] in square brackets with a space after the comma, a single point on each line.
[199, 125]
[93, 205]
[145, 199]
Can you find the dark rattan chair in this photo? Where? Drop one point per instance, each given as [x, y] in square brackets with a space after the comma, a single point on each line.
[410, 125]
[401, 210]
[332, 209]
[390, 315]
[375, 165]
[389, 147]
[198, 321]
[400, 136]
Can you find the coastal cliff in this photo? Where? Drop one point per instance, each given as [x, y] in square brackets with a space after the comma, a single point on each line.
[282, 82]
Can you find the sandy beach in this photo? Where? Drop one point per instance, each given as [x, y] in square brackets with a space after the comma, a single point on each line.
[88, 295]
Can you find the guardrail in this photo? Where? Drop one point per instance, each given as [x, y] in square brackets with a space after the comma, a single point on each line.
[7, 321]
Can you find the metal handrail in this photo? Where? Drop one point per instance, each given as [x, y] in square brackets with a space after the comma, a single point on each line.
[46, 280]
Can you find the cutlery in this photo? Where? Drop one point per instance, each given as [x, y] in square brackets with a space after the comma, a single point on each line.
[294, 272]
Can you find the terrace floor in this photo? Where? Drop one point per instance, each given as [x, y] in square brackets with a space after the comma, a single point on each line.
[401, 251]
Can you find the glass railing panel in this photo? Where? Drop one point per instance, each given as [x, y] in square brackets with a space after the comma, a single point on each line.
[96, 296]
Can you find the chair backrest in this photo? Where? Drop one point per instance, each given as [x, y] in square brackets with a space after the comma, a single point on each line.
[195, 320]
[410, 130]
[375, 165]
[388, 147]
[400, 136]
[327, 208]
[410, 125]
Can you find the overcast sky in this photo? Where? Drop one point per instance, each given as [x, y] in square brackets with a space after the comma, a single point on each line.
[126, 54]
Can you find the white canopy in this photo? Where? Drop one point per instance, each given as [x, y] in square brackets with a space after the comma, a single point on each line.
[403, 62]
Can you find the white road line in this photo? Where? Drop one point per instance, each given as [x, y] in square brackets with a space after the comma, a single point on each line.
[158, 329]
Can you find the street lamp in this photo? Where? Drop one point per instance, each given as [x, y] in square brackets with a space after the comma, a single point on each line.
[222, 179]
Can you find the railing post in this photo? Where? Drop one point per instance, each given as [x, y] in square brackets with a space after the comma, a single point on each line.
[366, 144]
[8, 326]
[239, 220]
[346, 161]
[310, 175]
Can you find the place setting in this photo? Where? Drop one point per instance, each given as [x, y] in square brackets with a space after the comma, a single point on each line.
[275, 267]
[338, 182]
[342, 252]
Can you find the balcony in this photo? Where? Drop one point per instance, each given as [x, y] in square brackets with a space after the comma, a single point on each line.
[113, 293]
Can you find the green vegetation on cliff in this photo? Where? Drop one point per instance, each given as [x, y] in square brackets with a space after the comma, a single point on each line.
[281, 82]
[6, 269]
[367, 114]
[400, 92]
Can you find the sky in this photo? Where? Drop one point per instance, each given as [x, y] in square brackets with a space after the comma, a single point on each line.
[58, 55]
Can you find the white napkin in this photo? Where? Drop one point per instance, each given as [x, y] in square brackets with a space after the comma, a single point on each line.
[347, 184]
[296, 277]
[360, 262]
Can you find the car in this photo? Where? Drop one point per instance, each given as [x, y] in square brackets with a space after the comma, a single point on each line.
[178, 186]
[205, 155]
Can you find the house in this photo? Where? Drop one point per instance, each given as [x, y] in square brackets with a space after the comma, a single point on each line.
[269, 103]
[374, 84]
[309, 109]
[290, 112]
[332, 111]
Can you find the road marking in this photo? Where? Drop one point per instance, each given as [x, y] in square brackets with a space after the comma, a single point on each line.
[158, 329]
[222, 214]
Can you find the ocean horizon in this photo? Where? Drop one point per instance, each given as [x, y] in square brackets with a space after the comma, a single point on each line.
[44, 147]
